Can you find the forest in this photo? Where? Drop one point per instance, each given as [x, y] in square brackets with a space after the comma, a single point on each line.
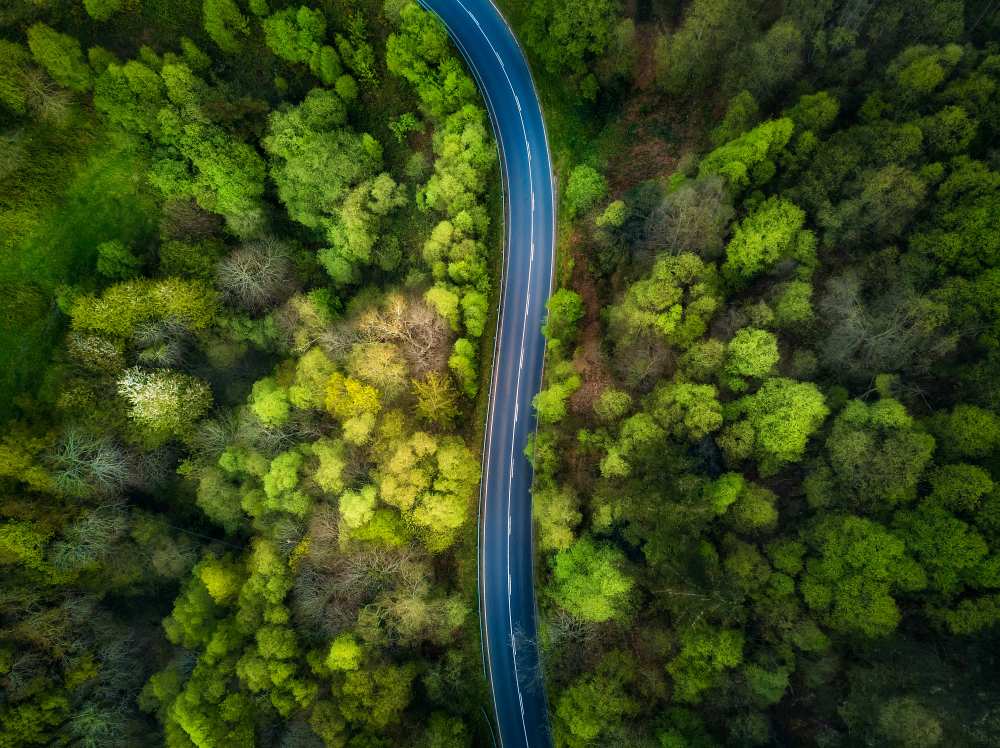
[250, 272]
[766, 501]
[249, 258]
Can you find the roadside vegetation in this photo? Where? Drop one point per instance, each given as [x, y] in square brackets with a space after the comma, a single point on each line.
[249, 265]
[766, 501]
[249, 255]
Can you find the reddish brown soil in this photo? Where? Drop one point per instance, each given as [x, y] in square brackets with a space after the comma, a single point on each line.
[589, 360]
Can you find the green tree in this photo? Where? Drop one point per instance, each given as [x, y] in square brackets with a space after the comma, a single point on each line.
[815, 112]
[751, 353]
[855, 567]
[705, 654]
[130, 96]
[689, 60]
[750, 159]
[880, 205]
[950, 550]
[589, 581]
[345, 653]
[688, 412]
[102, 10]
[754, 511]
[377, 697]
[125, 305]
[225, 24]
[781, 416]
[432, 483]
[612, 404]
[565, 310]
[327, 178]
[793, 304]
[773, 61]
[614, 215]
[772, 233]
[295, 34]
[550, 403]
[116, 261]
[437, 401]
[741, 115]
[61, 57]
[15, 61]
[962, 234]
[569, 36]
[219, 499]
[960, 488]
[593, 705]
[419, 52]
[676, 301]
[586, 187]
[906, 723]
[967, 431]
[357, 508]
[556, 512]
[877, 454]
[463, 363]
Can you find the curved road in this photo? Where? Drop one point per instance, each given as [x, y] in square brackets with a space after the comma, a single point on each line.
[506, 585]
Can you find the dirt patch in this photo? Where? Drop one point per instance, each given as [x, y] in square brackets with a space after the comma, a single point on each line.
[654, 130]
[589, 359]
[646, 159]
[645, 62]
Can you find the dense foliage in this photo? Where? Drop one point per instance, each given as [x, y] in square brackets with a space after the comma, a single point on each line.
[248, 272]
[766, 498]
[248, 266]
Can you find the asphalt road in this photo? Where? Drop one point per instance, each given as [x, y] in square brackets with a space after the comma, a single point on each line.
[506, 584]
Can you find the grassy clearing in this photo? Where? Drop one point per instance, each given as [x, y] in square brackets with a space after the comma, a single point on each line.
[105, 199]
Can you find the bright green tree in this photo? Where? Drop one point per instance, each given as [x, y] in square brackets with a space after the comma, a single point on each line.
[589, 581]
[677, 301]
[586, 187]
[102, 10]
[750, 159]
[295, 34]
[781, 416]
[751, 353]
[61, 57]
[855, 567]
[225, 24]
[772, 233]
[705, 654]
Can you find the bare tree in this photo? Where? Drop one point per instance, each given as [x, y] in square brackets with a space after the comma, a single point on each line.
[183, 220]
[90, 538]
[13, 153]
[693, 218]
[421, 333]
[256, 275]
[164, 343]
[49, 102]
[896, 330]
[84, 465]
